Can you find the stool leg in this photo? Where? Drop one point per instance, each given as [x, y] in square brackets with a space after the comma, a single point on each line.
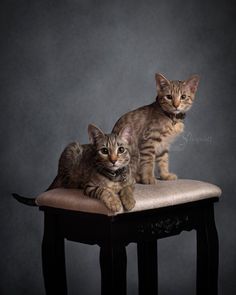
[147, 268]
[53, 258]
[207, 255]
[113, 263]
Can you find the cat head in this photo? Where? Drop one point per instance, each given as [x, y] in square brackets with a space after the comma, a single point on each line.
[112, 150]
[176, 96]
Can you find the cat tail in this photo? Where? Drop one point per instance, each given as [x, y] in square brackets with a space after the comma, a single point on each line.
[32, 201]
[24, 200]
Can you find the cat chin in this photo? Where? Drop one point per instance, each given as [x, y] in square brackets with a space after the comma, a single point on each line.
[176, 112]
[114, 168]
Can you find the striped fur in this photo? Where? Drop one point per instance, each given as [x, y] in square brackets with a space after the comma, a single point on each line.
[79, 167]
[155, 126]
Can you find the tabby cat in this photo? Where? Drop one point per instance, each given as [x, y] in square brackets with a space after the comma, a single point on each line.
[101, 169]
[156, 125]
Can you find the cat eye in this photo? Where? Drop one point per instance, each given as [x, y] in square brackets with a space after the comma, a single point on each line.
[169, 96]
[183, 96]
[104, 151]
[121, 149]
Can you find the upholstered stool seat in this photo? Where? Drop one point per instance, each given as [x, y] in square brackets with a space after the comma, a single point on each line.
[161, 210]
[165, 193]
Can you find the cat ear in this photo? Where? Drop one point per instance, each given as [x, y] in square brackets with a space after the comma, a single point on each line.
[126, 134]
[192, 83]
[94, 133]
[161, 81]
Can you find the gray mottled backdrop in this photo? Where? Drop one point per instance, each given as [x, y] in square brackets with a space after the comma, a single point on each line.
[65, 64]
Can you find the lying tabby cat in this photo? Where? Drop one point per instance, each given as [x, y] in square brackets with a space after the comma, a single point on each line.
[100, 168]
[156, 125]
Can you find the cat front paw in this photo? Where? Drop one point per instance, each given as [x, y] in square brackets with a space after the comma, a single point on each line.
[169, 176]
[128, 202]
[113, 203]
[148, 180]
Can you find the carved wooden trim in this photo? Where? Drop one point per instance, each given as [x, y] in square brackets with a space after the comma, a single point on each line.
[165, 225]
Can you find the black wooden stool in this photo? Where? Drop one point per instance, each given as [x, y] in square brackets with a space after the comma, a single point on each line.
[161, 211]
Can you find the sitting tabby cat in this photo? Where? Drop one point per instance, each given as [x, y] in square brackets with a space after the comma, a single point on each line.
[156, 125]
[101, 169]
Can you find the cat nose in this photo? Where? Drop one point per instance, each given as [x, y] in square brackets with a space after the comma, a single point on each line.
[176, 103]
[113, 159]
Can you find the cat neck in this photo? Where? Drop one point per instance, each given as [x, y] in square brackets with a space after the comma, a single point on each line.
[175, 118]
[117, 175]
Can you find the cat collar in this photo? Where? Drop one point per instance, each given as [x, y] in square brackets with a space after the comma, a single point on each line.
[175, 117]
[117, 175]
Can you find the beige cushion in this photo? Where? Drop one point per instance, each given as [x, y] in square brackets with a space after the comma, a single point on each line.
[165, 193]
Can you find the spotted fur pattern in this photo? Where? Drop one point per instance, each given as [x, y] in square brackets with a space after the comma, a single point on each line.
[94, 168]
[155, 126]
